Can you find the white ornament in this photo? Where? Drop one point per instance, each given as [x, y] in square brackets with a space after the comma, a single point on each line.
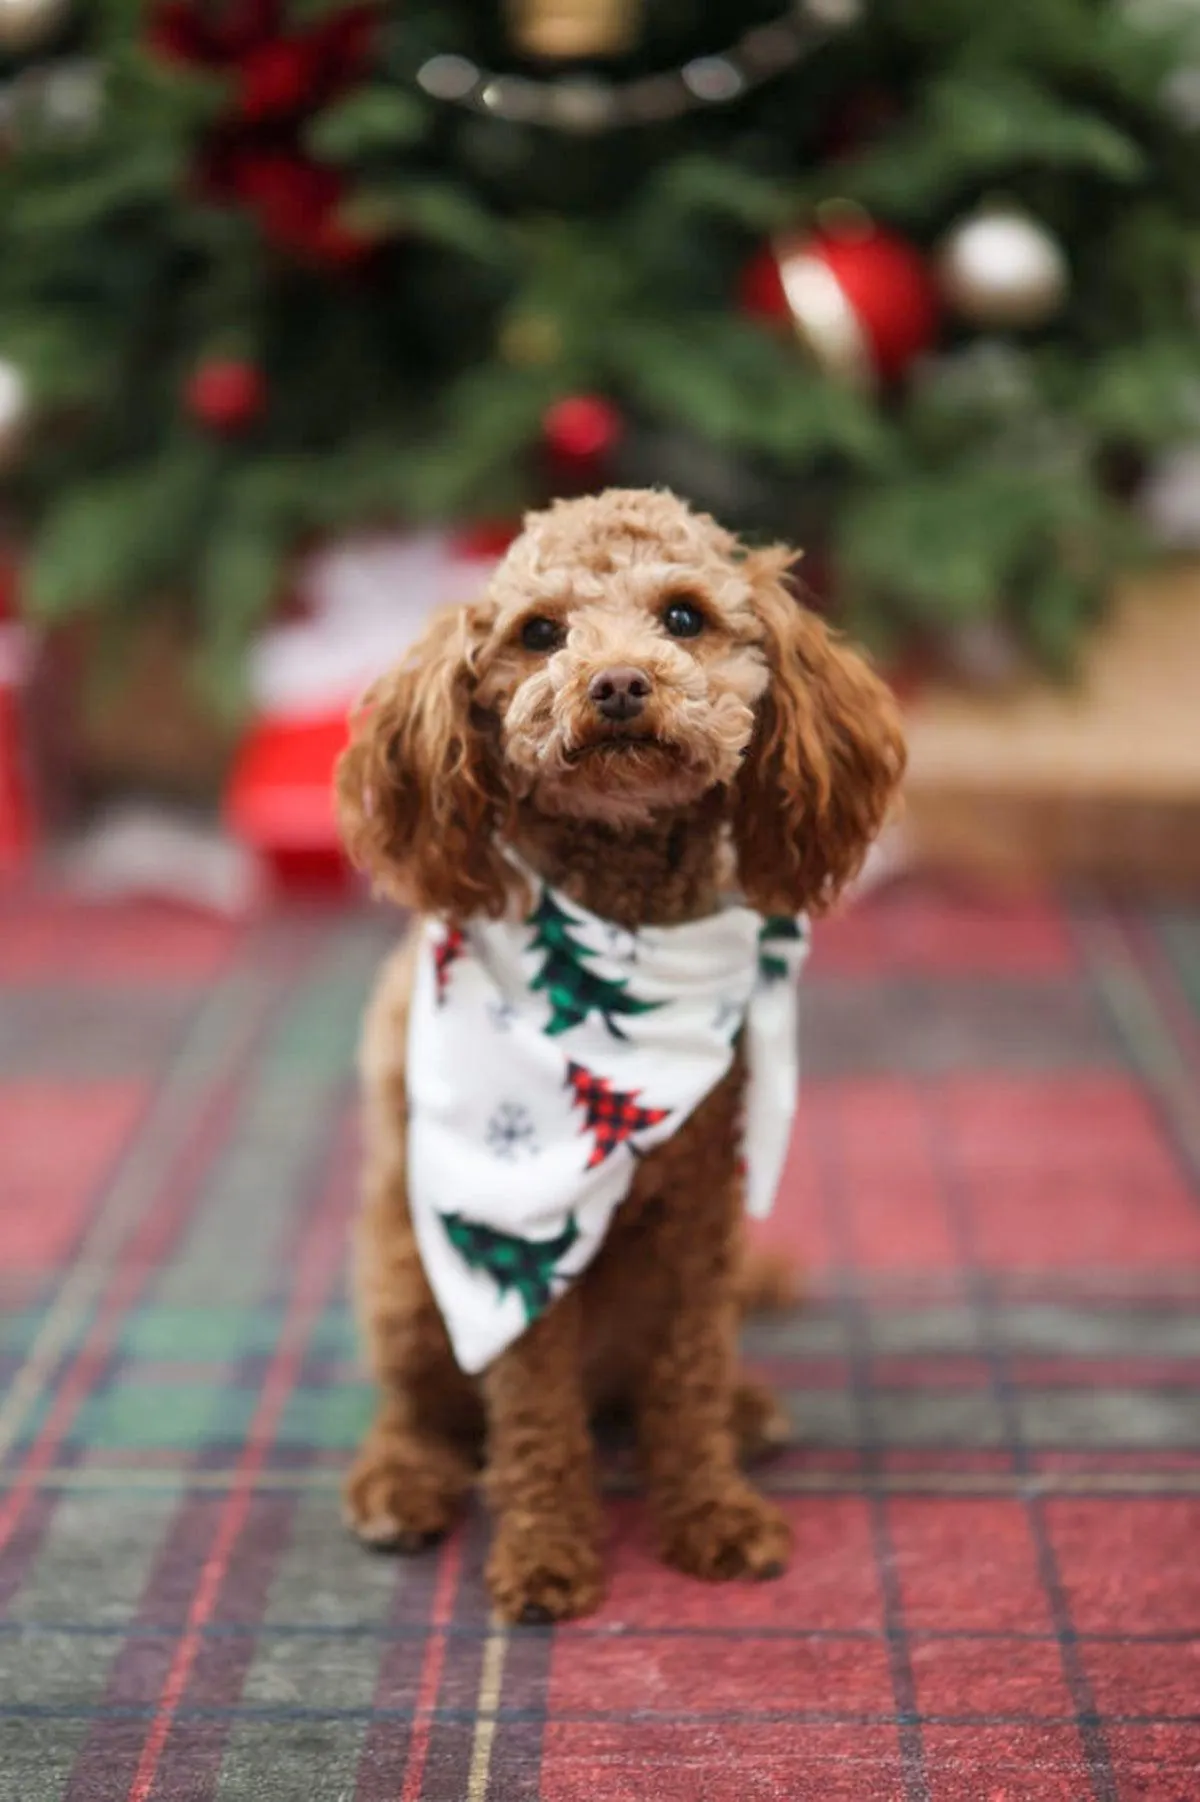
[54, 102]
[14, 410]
[1002, 269]
[24, 24]
[72, 94]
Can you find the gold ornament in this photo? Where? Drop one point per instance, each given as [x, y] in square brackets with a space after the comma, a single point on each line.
[530, 340]
[572, 28]
[24, 24]
[1001, 269]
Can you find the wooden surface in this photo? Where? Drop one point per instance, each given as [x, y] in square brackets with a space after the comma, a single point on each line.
[1099, 780]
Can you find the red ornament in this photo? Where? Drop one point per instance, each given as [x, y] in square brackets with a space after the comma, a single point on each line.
[582, 429]
[863, 301]
[226, 395]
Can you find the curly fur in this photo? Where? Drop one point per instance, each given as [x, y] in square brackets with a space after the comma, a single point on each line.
[767, 753]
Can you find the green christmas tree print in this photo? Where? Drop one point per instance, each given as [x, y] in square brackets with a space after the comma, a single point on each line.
[777, 929]
[572, 989]
[526, 1267]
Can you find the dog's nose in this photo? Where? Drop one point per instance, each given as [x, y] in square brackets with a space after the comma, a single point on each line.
[619, 693]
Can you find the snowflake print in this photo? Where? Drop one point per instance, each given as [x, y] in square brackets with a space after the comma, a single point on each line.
[502, 1014]
[510, 1133]
[622, 944]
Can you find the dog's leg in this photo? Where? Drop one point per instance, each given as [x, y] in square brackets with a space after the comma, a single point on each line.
[406, 1486]
[414, 1469]
[691, 1411]
[419, 1459]
[545, 1558]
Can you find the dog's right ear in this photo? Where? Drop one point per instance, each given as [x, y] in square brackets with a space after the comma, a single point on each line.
[419, 800]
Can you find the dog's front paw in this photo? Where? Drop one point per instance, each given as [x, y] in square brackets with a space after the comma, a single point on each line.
[402, 1497]
[540, 1572]
[736, 1534]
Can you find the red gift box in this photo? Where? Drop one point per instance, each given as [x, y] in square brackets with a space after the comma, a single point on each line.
[360, 607]
[280, 799]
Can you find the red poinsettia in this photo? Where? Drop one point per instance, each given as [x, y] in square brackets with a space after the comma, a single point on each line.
[277, 72]
[297, 201]
[294, 74]
[278, 77]
[211, 36]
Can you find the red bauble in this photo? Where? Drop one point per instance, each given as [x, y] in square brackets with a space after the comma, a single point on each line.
[863, 301]
[582, 429]
[226, 394]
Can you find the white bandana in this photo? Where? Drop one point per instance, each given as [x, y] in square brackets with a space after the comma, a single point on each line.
[545, 1056]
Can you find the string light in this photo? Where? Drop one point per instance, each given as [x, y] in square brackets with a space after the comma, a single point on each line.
[585, 105]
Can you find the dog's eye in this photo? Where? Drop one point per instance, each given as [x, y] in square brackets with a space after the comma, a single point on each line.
[683, 619]
[541, 634]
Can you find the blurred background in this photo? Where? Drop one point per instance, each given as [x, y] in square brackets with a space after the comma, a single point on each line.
[302, 302]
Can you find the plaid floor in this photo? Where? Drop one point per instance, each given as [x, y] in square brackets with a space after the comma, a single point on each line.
[996, 1481]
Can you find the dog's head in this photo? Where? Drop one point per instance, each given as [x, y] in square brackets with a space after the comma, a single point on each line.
[628, 658]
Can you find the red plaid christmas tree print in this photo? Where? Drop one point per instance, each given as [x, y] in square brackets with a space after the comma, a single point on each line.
[449, 948]
[612, 1114]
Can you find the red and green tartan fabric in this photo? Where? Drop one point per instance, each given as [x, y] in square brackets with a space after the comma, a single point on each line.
[995, 1483]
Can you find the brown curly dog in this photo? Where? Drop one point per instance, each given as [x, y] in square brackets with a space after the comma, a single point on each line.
[762, 752]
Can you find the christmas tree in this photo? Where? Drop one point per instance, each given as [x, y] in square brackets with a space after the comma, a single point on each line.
[778, 929]
[910, 281]
[614, 1115]
[572, 989]
[524, 1266]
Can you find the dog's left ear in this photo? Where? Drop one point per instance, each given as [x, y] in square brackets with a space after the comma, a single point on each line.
[824, 763]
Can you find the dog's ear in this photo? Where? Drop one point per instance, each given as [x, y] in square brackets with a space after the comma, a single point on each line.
[824, 763]
[419, 799]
